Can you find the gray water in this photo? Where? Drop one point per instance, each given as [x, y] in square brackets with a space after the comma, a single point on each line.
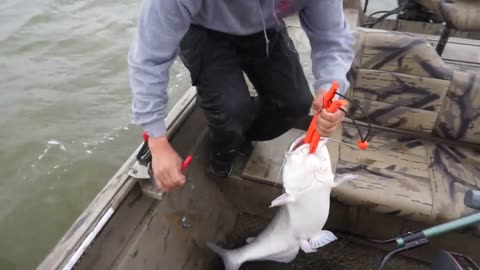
[65, 115]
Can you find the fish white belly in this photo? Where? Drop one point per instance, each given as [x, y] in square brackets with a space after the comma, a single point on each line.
[309, 214]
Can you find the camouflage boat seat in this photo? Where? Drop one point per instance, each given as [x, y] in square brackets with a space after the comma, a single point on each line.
[425, 151]
[462, 15]
[406, 176]
[404, 85]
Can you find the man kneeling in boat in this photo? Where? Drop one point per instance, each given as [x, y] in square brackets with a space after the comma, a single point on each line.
[218, 40]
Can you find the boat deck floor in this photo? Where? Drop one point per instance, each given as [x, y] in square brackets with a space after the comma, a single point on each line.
[342, 254]
[171, 233]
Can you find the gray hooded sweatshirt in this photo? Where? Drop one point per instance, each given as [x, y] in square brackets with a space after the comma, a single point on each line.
[163, 23]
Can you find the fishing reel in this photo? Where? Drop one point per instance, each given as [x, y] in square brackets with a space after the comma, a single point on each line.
[446, 260]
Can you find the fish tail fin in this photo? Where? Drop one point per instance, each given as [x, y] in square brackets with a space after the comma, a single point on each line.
[225, 255]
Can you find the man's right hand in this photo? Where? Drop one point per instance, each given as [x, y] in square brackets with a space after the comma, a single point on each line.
[166, 164]
[327, 122]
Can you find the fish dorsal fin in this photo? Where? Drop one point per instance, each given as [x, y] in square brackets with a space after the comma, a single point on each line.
[285, 198]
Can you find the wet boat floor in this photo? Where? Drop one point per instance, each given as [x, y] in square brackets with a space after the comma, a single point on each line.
[342, 254]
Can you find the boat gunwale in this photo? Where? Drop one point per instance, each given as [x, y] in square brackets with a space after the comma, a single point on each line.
[109, 198]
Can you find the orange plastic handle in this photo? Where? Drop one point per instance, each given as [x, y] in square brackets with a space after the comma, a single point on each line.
[312, 129]
[328, 97]
[336, 105]
[314, 143]
[312, 137]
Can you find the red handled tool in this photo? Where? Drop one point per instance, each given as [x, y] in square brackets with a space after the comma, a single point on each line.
[185, 163]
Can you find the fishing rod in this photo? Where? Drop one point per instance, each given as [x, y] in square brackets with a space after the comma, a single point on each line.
[412, 240]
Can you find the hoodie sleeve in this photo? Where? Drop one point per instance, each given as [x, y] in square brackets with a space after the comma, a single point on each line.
[331, 42]
[161, 26]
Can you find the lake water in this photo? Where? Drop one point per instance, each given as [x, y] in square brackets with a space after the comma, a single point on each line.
[65, 114]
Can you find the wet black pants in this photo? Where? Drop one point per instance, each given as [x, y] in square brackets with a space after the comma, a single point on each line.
[216, 62]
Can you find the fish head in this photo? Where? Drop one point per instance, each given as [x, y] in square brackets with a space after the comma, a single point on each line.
[302, 169]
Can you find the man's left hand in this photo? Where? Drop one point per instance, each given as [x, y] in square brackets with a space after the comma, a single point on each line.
[327, 122]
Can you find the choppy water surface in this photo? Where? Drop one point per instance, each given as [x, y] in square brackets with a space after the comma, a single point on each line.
[65, 118]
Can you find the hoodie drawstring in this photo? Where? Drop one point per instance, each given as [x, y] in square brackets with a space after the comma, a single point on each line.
[259, 8]
[275, 13]
[267, 41]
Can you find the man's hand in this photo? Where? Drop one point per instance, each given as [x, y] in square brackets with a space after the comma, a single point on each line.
[327, 122]
[166, 164]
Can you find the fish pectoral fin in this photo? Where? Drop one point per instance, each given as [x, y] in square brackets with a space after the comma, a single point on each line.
[249, 239]
[306, 247]
[285, 198]
[340, 179]
[321, 239]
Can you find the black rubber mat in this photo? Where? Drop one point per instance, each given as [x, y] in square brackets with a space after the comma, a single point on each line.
[339, 255]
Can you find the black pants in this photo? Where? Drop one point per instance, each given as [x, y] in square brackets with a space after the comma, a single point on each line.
[216, 62]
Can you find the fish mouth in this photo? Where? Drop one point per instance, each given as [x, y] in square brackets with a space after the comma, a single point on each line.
[292, 147]
[296, 143]
[300, 141]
